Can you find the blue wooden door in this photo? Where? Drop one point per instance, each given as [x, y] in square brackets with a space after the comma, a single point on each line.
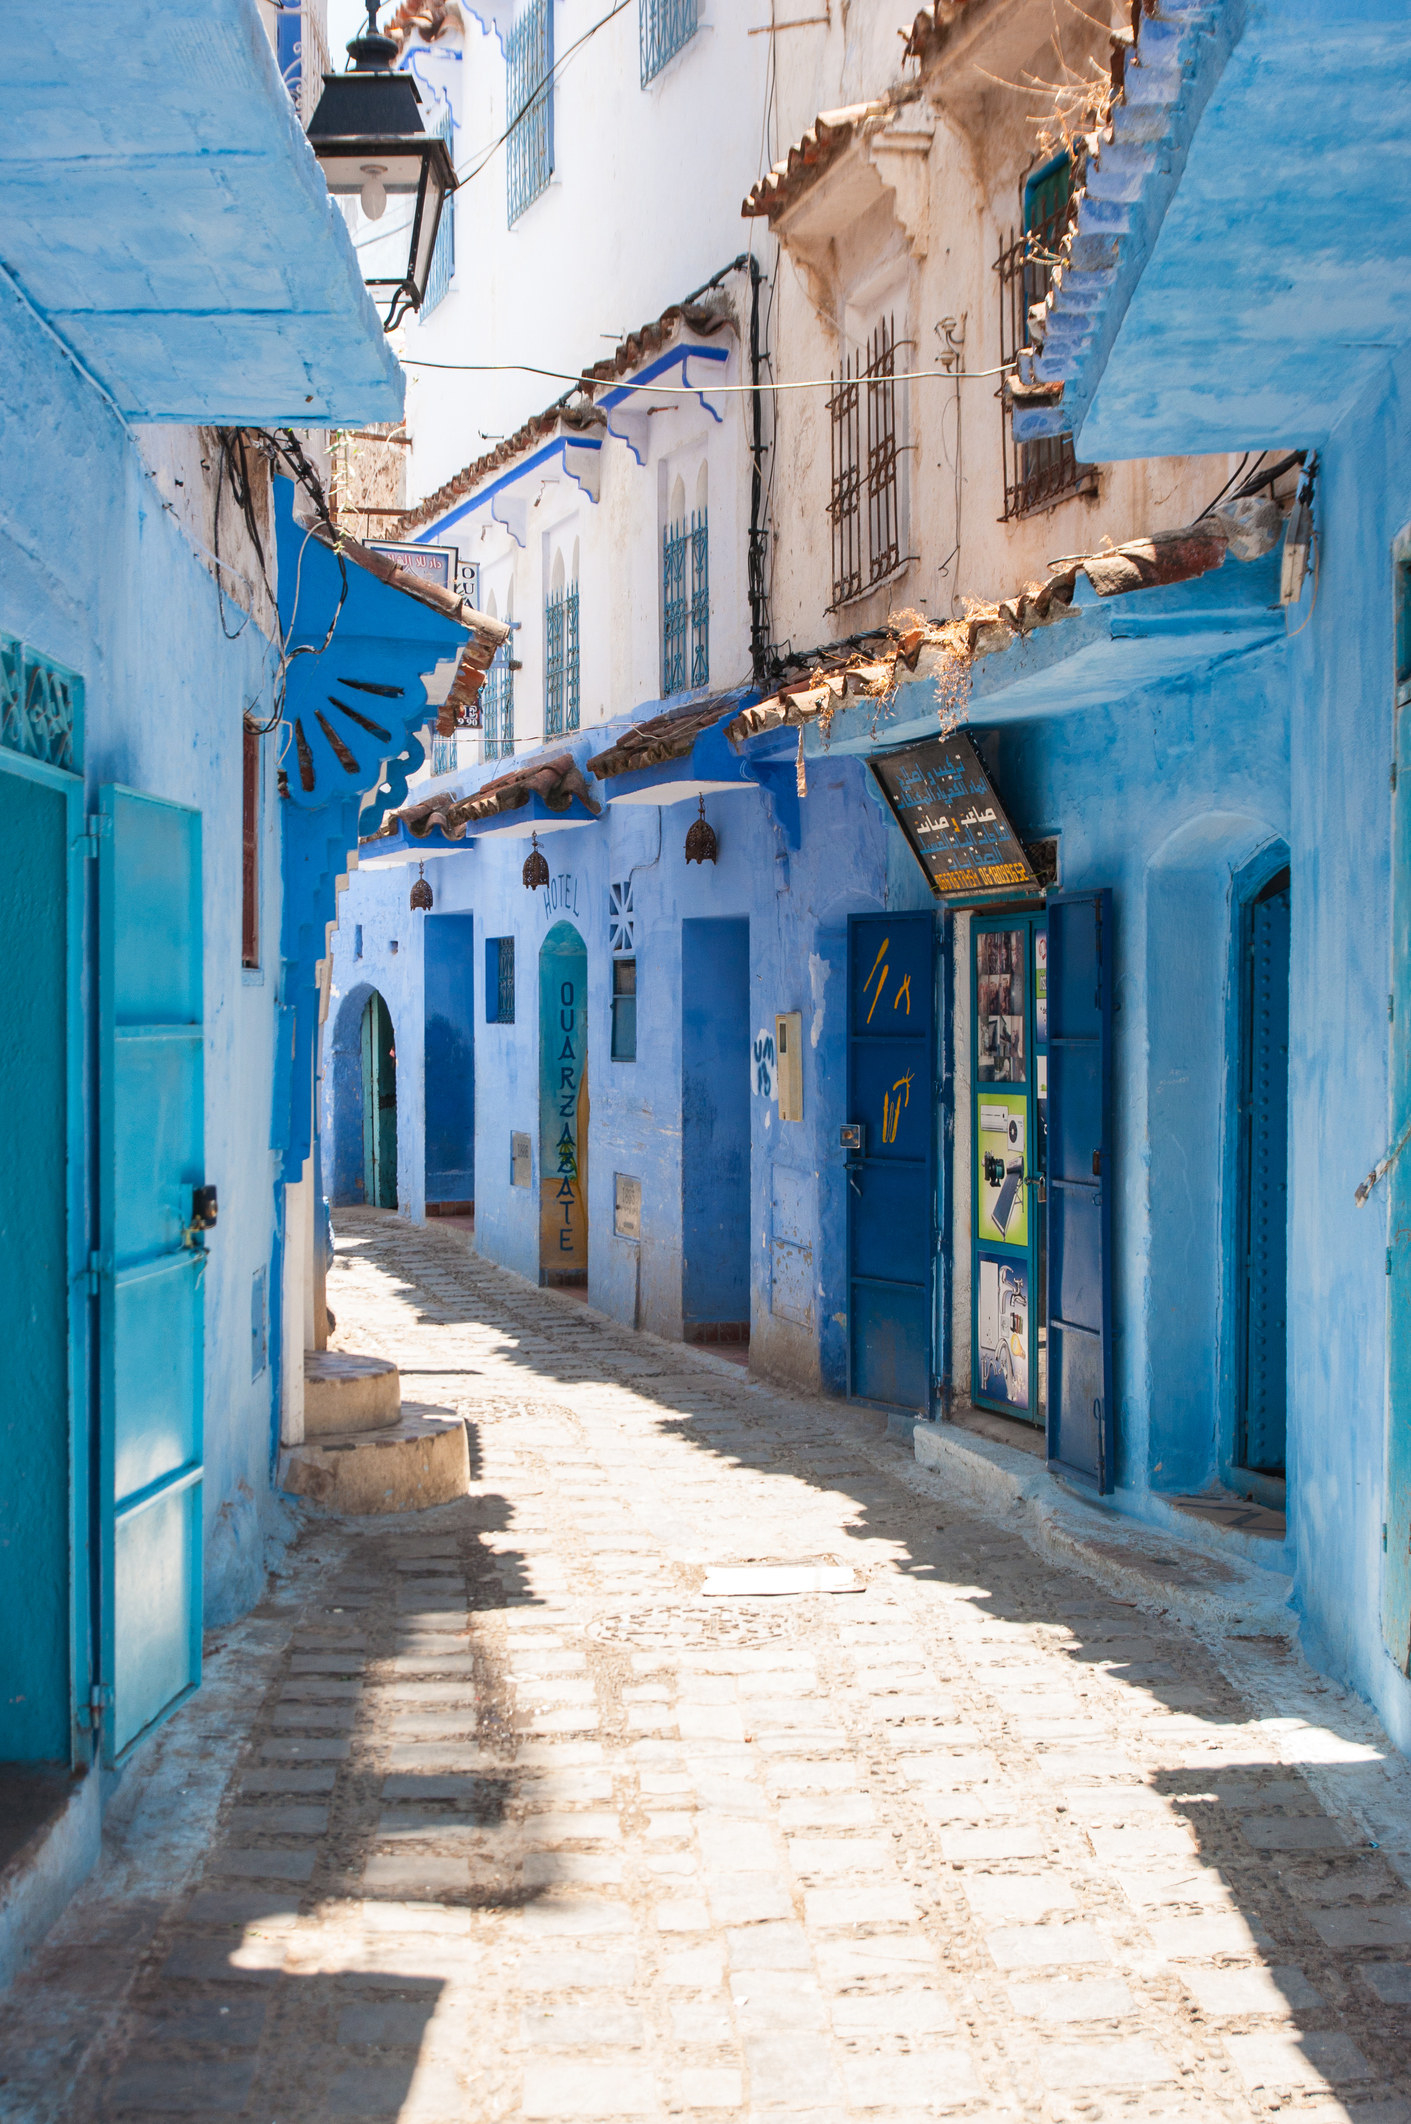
[1081, 1431]
[151, 1153]
[891, 1176]
[1263, 1380]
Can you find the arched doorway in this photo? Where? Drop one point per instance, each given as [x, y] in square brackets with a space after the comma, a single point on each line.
[563, 1108]
[379, 1089]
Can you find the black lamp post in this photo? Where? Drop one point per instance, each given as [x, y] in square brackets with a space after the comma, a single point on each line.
[372, 146]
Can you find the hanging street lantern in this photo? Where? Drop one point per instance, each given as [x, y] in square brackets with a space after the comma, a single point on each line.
[375, 152]
[701, 844]
[536, 870]
[421, 891]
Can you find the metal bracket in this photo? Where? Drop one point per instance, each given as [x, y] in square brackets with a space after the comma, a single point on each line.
[100, 1699]
[99, 1266]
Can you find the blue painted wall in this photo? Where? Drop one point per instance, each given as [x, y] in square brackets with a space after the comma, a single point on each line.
[449, 1058]
[95, 574]
[715, 1120]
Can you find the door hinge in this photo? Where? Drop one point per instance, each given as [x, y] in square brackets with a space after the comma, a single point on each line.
[1391, 1007]
[1388, 1260]
[1393, 774]
[99, 1266]
[100, 829]
[100, 1699]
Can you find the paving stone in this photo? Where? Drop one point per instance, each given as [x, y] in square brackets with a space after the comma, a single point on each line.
[1364, 1927]
[1313, 2059]
[1085, 1999]
[588, 2087]
[156, 2087]
[278, 1821]
[1038, 1946]
[1226, 1994]
[585, 2024]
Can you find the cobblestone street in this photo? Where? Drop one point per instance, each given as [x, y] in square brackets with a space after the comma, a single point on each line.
[539, 1806]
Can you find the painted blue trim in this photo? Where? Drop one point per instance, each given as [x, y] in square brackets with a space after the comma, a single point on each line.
[527, 465]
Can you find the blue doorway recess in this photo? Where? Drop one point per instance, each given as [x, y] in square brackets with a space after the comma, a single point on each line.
[715, 1131]
[563, 1108]
[449, 984]
[379, 1104]
[151, 1136]
[1263, 1182]
[891, 1167]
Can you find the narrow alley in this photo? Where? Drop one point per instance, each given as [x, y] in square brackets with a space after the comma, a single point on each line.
[709, 1761]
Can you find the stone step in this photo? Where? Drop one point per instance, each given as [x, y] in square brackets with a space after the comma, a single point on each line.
[345, 1393]
[422, 1459]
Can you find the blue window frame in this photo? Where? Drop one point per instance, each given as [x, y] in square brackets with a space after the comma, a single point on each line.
[685, 605]
[498, 697]
[529, 99]
[499, 980]
[667, 27]
[624, 1010]
[561, 661]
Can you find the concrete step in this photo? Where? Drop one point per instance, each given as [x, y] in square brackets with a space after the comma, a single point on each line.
[344, 1393]
[422, 1459]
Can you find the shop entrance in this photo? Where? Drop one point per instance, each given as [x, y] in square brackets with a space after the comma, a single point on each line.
[379, 1071]
[1263, 1182]
[563, 1108]
[1009, 1106]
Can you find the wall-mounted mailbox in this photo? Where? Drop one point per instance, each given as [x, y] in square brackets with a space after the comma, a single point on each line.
[788, 1044]
[521, 1159]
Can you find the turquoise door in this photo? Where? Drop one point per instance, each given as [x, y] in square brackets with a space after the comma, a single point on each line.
[151, 1257]
[1009, 1080]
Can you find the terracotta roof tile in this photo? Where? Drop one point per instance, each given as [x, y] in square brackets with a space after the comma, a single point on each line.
[809, 157]
[557, 780]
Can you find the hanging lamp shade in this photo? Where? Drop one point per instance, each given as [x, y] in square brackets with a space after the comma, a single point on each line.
[421, 891]
[390, 175]
[701, 844]
[536, 869]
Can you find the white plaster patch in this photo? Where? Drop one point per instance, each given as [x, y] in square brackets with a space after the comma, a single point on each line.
[818, 972]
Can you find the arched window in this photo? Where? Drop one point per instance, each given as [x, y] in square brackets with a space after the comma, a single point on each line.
[561, 648]
[685, 589]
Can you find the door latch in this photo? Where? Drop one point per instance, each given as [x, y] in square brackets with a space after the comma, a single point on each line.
[201, 1212]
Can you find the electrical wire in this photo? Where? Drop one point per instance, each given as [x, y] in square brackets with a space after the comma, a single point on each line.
[805, 383]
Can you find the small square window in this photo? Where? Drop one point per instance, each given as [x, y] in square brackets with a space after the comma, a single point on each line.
[499, 980]
[624, 1010]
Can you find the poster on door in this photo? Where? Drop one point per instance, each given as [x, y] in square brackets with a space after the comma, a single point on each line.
[999, 1006]
[1001, 1198]
[1002, 1331]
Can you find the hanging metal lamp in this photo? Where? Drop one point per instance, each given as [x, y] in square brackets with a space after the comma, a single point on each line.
[536, 870]
[701, 844]
[373, 148]
[421, 891]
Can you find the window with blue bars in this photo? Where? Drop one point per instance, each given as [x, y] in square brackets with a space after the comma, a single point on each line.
[561, 660]
[685, 604]
[443, 258]
[497, 695]
[667, 26]
[499, 980]
[443, 755]
[529, 106]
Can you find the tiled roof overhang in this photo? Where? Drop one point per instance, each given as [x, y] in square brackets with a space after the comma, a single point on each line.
[555, 782]
[577, 415]
[166, 216]
[809, 157]
[664, 738]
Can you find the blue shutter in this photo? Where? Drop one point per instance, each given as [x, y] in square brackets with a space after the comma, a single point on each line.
[151, 1149]
[1265, 1384]
[1081, 1427]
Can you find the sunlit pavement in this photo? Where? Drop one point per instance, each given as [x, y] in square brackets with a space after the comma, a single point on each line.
[503, 1811]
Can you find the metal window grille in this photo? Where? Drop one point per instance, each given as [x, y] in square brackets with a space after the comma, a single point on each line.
[499, 980]
[621, 923]
[866, 544]
[685, 613]
[529, 97]
[674, 615]
[302, 53]
[443, 258]
[1036, 474]
[667, 27]
[700, 600]
[497, 693]
[41, 707]
[443, 755]
[561, 661]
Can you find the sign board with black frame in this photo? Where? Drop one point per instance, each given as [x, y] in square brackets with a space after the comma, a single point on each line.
[945, 803]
